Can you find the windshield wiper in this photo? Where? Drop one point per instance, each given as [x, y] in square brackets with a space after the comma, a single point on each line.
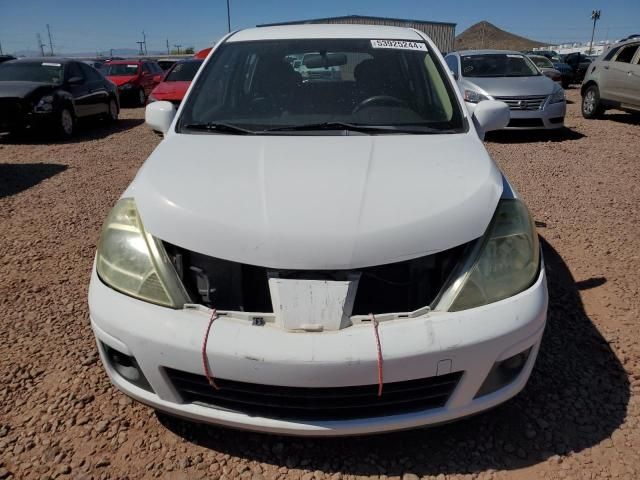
[352, 127]
[220, 127]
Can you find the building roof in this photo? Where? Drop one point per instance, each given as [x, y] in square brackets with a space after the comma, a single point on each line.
[309, 31]
[356, 17]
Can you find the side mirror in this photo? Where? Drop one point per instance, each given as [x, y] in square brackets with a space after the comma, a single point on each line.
[490, 115]
[75, 80]
[159, 115]
[157, 78]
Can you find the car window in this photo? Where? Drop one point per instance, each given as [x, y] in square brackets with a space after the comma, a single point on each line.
[542, 62]
[90, 73]
[610, 54]
[260, 85]
[498, 65]
[452, 63]
[73, 70]
[45, 72]
[119, 69]
[157, 67]
[145, 68]
[183, 71]
[626, 54]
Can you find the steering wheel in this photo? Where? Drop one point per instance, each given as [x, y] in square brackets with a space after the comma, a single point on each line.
[379, 100]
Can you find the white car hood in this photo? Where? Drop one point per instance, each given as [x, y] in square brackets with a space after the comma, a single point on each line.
[317, 202]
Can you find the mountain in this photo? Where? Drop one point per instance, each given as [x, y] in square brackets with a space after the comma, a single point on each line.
[487, 35]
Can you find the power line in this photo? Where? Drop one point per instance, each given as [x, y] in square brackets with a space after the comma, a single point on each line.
[40, 44]
[50, 42]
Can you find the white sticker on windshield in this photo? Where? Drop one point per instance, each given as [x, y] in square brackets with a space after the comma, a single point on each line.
[399, 44]
[513, 56]
[132, 66]
[45, 64]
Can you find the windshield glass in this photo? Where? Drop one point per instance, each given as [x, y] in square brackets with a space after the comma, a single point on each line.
[119, 69]
[291, 84]
[542, 62]
[498, 65]
[46, 72]
[183, 71]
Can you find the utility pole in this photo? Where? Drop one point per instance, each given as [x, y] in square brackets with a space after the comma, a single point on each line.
[178, 47]
[140, 44]
[228, 17]
[144, 40]
[1, 49]
[50, 42]
[40, 44]
[595, 16]
[111, 52]
[168, 51]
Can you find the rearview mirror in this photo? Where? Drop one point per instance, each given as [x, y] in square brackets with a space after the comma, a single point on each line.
[324, 61]
[490, 115]
[159, 116]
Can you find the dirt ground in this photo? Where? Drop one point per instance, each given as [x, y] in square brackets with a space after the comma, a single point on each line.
[577, 418]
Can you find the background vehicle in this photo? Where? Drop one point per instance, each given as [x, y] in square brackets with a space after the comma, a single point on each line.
[550, 54]
[6, 58]
[578, 63]
[613, 81]
[176, 81]
[97, 64]
[535, 101]
[166, 63]
[202, 54]
[566, 72]
[53, 93]
[135, 78]
[546, 67]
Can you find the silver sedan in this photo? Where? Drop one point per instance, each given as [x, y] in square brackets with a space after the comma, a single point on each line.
[535, 101]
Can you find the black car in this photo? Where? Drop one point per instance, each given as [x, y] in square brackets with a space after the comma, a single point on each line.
[6, 58]
[53, 93]
[579, 63]
[566, 71]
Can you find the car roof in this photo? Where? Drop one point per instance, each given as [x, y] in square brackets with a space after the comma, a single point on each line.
[45, 60]
[125, 61]
[488, 52]
[310, 31]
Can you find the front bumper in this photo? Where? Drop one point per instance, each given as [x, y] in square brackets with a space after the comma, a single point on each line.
[550, 117]
[435, 344]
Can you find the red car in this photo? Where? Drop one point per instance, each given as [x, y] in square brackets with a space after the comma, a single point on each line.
[176, 81]
[135, 78]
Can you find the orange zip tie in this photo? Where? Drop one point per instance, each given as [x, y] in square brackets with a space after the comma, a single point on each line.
[205, 361]
[375, 323]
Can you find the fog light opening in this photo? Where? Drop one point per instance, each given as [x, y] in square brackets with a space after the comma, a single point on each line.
[127, 367]
[503, 373]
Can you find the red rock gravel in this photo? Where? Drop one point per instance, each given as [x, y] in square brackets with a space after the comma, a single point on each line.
[577, 418]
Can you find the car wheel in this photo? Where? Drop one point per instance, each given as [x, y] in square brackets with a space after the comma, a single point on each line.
[112, 116]
[142, 99]
[591, 105]
[66, 123]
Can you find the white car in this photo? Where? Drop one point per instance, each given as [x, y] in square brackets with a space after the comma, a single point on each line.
[320, 258]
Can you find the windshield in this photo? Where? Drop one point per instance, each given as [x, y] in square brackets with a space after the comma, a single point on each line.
[542, 62]
[183, 71]
[498, 65]
[119, 69]
[291, 84]
[46, 72]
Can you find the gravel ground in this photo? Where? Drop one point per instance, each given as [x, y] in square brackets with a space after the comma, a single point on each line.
[577, 418]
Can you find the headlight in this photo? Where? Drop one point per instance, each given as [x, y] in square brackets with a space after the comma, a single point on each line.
[125, 86]
[135, 263]
[557, 96]
[474, 97]
[506, 263]
[45, 104]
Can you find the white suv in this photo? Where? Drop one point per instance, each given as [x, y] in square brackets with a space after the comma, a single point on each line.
[329, 257]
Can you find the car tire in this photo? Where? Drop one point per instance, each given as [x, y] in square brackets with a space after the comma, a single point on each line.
[565, 84]
[112, 113]
[65, 123]
[142, 98]
[591, 105]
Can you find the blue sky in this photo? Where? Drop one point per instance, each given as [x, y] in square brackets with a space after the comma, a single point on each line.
[89, 25]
